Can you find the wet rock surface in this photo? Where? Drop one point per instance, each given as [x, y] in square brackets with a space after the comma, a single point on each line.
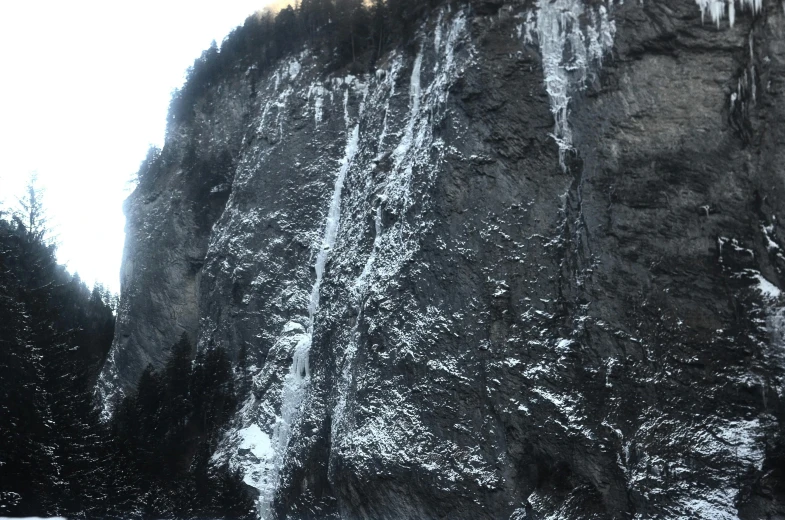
[528, 270]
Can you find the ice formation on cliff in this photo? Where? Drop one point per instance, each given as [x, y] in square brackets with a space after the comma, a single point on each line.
[572, 39]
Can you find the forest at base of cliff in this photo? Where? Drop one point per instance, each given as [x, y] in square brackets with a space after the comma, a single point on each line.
[57, 456]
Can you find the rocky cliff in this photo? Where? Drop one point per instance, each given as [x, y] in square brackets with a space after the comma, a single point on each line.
[527, 269]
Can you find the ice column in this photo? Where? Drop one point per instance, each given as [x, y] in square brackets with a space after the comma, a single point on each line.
[297, 380]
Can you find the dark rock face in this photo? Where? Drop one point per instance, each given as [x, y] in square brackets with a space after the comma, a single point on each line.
[530, 271]
[169, 220]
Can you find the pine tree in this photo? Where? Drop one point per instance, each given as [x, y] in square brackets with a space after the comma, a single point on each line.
[23, 427]
[176, 407]
[31, 214]
[147, 410]
[53, 437]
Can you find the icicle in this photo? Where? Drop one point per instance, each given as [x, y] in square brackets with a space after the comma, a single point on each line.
[558, 29]
[316, 92]
[392, 76]
[415, 94]
[716, 9]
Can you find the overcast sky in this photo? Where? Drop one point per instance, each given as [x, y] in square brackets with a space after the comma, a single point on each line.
[85, 89]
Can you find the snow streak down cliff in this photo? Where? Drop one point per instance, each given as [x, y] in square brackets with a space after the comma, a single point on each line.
[529, 268]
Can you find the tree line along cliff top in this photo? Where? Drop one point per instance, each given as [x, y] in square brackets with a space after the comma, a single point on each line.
[343, 33]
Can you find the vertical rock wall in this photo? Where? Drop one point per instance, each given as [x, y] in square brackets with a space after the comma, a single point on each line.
[529, 268]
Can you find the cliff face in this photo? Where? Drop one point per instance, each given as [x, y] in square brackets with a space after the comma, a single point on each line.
[528, 269]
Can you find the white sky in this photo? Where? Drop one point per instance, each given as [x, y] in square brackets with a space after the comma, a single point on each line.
[84, 90]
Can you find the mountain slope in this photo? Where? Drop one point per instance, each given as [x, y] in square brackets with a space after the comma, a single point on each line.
[528, 268]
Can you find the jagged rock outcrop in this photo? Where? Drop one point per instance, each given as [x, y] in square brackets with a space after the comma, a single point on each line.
[530, 268]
